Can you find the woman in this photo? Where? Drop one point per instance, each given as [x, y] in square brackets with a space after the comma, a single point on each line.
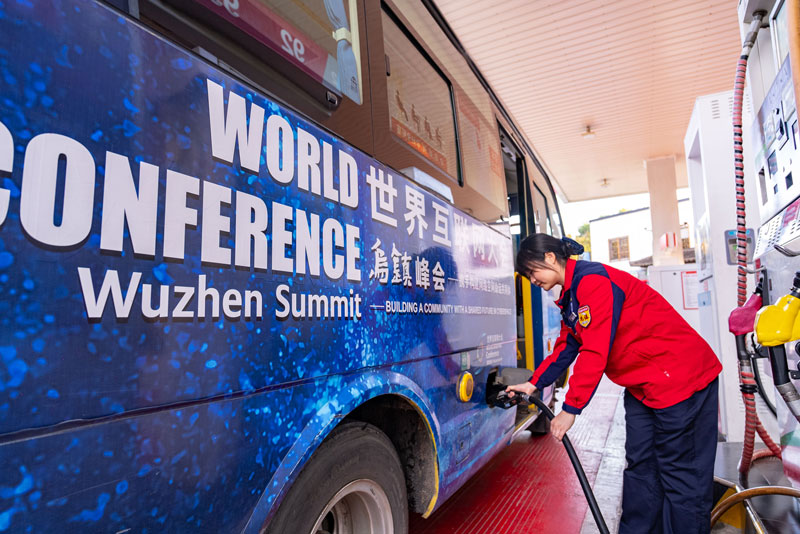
[615, 324]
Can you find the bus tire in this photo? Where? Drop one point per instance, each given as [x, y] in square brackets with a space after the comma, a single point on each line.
[540, 426]
[353, 484]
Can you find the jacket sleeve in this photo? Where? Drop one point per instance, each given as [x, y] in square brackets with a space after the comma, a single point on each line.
[564, 353]
[598, 316]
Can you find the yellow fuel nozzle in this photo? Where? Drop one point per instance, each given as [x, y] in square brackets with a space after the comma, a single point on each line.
[779, 323]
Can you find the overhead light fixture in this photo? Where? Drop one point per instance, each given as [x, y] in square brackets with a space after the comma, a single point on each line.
[588, 134]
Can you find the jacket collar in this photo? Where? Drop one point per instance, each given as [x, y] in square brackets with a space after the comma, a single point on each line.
[568, 274]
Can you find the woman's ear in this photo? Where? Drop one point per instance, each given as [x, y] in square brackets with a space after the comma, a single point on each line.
[550, 259]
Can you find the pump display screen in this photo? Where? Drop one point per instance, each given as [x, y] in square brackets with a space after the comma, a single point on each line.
[772, 162]
[732, 246]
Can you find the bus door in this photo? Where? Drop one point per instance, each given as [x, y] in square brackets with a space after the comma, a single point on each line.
[523, 222]
[548, 322]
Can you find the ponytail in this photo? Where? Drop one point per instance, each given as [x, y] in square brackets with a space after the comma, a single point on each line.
[534, 247]
[572, 247]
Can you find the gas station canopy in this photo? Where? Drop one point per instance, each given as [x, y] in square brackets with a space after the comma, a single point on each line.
[629, 71]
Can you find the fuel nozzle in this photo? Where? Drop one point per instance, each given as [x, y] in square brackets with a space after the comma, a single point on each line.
[742, 319]
[796, 284]
[778, 323]
[506, 401]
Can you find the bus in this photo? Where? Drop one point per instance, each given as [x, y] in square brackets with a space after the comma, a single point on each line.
[256, 265]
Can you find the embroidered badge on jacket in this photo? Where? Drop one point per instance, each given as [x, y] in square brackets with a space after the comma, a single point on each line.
[584, 316]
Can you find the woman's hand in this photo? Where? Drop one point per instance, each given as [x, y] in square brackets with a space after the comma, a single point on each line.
[561, 423]
[526, 388]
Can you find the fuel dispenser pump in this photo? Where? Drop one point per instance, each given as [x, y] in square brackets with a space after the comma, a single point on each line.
[771, 31]
[772, 77]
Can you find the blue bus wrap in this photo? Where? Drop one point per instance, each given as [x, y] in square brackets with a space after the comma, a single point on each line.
[197, 284]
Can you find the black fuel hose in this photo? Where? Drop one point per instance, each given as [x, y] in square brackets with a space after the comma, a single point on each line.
[587, 488]
[761, 392]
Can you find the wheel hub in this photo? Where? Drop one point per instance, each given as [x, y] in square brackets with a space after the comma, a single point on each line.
[361, 507]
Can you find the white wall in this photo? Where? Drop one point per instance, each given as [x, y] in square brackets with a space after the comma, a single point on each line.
[710, 167]
[638, 227]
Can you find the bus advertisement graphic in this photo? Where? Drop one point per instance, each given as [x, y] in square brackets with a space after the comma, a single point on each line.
[195, 282]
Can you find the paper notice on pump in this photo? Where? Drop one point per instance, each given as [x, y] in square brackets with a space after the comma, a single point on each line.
[689, 286]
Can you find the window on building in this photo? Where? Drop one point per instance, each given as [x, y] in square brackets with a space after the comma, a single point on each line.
[686, 241]
[618, 248]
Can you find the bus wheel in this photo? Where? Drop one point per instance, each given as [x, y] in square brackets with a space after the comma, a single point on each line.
[353, 484]
[540, 426]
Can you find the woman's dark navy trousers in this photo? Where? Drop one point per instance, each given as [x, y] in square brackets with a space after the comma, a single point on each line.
[668, 482]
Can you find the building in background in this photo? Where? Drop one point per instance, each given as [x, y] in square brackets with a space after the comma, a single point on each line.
[625, 240]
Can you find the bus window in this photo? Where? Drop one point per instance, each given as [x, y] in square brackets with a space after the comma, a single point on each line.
[546, 203]
[483, 165]
[514, 186]
[310, 54]
[541, 211]
[482, 192]
[420, 101]
[557, 227]
[318, 37]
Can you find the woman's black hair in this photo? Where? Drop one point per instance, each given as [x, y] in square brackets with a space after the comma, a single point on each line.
[534, 247]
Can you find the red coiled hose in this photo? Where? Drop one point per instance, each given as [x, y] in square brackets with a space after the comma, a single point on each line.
[753, 425]
[741, 224]
[747, 381]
